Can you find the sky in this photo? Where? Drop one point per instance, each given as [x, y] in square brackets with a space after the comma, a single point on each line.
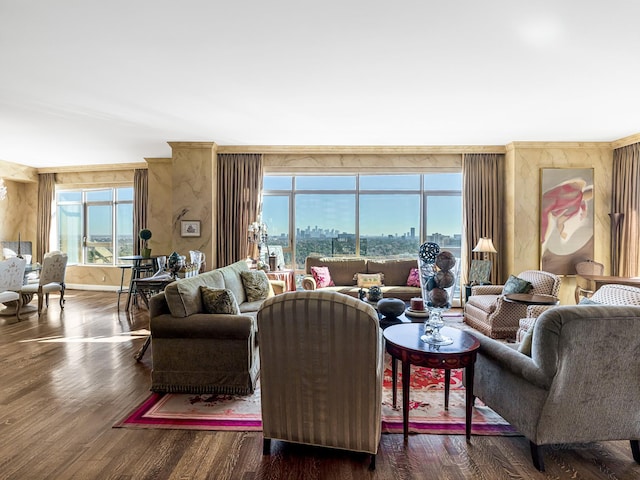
[380, 213]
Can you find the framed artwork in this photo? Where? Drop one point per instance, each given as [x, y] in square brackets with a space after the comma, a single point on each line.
[190, 228]
[566, 218]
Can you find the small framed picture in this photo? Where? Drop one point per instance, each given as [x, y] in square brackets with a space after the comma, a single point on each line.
[190, 228]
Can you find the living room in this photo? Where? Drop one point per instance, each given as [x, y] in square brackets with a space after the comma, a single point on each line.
[95, 93]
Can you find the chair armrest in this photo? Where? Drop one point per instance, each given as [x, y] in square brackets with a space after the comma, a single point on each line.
[279, 286]
[486, 289]
[512, 360]
[309, 283]
[534, 311]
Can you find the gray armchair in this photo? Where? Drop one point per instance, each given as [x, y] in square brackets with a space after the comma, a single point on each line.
[579, 384]
[321, 357]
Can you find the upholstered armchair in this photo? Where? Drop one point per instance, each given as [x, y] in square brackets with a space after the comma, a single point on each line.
[606, 295]
[577, 386]
[321, 367]
[11, 278]
[486, 309]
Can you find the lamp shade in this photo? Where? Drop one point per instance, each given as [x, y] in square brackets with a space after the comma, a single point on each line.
[485, 245]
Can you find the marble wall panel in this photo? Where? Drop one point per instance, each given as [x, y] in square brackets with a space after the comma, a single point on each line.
[193, 196]
[361, 163]
[523, 207]
[18, 212]
[159, 208]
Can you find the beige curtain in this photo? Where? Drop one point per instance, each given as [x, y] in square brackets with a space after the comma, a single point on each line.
[625, 198]
[46, 193]
[239, 194]
[140, 199]
[482, 211]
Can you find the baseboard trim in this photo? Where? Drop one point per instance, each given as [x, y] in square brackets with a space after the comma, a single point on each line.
[97, 288]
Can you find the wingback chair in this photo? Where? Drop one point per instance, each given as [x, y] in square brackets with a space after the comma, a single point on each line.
[321, 367]
[486, 309]
[54, 267]
[11, 279]
[579, 383]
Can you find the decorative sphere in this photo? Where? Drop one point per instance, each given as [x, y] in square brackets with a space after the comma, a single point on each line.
[444, 279]
[391, 307]
[445, 260]
[431, 283]
[428, 251]
[439, 298]
[375, 294]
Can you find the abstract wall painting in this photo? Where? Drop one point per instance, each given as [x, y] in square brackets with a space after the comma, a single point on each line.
[566, 219]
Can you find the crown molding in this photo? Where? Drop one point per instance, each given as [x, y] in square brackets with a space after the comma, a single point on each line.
[93, 168]
[547, 145]
[626, 141]
[361, 149]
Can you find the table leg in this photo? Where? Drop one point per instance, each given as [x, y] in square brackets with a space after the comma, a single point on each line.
[406, 380]
[394, 379]
[140, 353]
[447, 383]
[469, 371]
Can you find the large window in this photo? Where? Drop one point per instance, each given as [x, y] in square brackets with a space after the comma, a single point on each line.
[367, 215]
[95, 226]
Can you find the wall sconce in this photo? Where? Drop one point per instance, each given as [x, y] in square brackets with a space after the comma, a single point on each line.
[3, 189]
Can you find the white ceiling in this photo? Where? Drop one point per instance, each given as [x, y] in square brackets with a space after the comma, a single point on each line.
[94, 81]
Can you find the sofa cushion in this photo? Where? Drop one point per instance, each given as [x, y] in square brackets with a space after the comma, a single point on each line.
[516, 285]
[322, 276]
[256, 285]
[366, 280]
[341, 268]
[232, 279]
[217, 300]
[396, 271]
[183, 296]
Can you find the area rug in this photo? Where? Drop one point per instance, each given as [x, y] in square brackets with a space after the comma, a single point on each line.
[242, 413]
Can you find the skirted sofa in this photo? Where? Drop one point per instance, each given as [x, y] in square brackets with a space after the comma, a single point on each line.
[343, 270]
[195, 351]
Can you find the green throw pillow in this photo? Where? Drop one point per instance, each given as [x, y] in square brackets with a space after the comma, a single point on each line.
[219, 300]
[516, 285]
[525, 344]
[256, 285]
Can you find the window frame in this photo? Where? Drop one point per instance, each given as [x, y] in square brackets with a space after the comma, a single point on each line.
[85, 206]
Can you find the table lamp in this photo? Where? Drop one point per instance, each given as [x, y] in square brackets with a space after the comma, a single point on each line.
[485, 246]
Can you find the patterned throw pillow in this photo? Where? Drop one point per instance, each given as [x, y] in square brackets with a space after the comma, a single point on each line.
[587, 301]
[256, 285]
[525, 344]
[219, 300]
[322, 276]
[413, 280]
[516, 285]
[366, 280]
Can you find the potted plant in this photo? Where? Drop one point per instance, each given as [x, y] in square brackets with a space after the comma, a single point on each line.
[145, 235]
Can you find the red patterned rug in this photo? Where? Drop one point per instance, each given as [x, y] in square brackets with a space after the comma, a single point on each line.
[242, 413]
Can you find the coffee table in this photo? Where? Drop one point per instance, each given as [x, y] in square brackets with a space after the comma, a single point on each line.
[403, 343]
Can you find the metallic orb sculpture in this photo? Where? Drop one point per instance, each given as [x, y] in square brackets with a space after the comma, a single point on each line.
[428, 251]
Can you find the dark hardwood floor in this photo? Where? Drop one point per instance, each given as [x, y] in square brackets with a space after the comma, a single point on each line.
[68, 377]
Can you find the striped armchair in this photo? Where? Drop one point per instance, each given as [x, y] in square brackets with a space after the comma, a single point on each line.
[488, 312]
[321, 367]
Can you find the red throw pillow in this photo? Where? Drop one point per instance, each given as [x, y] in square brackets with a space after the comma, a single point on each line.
[322, 277]
[413, 280]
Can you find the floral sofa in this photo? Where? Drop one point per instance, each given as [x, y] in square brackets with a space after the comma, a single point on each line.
[396, 281]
